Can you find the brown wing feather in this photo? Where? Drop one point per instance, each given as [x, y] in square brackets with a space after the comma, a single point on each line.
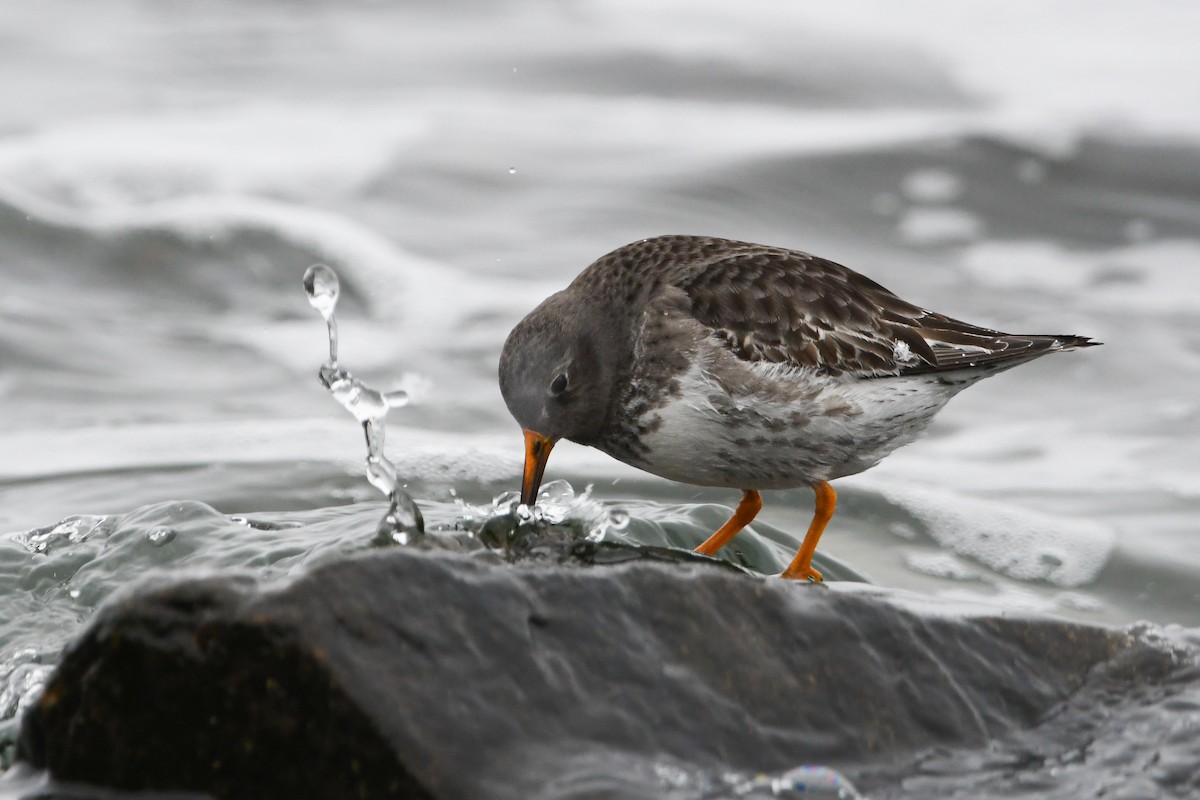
[785, 306]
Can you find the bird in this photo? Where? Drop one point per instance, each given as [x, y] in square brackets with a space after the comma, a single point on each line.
[722, 363]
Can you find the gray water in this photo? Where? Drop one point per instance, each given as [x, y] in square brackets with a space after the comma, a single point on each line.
[168, 174]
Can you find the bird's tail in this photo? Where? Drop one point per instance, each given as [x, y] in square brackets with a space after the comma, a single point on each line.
[958, 345]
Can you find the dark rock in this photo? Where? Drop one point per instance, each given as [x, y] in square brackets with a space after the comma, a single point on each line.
[431, 674]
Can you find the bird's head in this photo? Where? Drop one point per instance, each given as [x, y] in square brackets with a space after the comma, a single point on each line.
[556, 375]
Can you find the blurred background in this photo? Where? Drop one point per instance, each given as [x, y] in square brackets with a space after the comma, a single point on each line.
[168, 170]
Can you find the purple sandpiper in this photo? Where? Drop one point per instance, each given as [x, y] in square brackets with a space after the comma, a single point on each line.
[729, 364]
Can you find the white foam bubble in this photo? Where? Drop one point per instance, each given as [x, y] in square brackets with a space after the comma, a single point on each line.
[939, 225]
[399, 291]
[312, 150]
[982, 458]
[1017, 542]
[1120, 70]
[932, 185]
[1010, 598]
[1146, 277]
[1118, 74]
[942, 565]
[985, 599]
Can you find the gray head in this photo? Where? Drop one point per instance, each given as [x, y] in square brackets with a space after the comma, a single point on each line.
[556, 375]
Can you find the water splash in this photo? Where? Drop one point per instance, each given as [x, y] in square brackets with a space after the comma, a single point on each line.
[557, 505]
[22, 676]
[403, 522]
[809, 780]
[71, 530]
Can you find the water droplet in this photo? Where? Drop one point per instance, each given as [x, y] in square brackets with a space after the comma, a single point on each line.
[512, 170]
[264, 525]
[498, 531]
[407, 514]
[556, 493]
[160, 536]
[506, 502]
[365, 403]
[322, 285]
[74, 594]
[381, 474]
[391, 531]
[618, 519]
[403, 521]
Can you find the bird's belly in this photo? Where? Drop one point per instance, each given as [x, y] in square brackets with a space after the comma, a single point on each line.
[842, 427]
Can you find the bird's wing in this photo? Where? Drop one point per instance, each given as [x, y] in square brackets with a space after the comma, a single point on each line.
[784, 306]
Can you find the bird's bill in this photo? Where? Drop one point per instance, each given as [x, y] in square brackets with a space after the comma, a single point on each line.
[537, 451]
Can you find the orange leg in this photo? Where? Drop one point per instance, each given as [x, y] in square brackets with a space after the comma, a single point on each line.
[801, 566]
[743, 515]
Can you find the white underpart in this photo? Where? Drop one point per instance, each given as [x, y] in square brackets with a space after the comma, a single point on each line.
[851, 425]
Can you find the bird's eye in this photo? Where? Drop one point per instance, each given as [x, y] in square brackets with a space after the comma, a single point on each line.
[559, 384]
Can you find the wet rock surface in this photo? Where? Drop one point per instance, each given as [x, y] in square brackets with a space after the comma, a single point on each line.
[411, 673]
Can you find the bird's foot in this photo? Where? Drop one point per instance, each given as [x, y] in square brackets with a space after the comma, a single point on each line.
[807, 572]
